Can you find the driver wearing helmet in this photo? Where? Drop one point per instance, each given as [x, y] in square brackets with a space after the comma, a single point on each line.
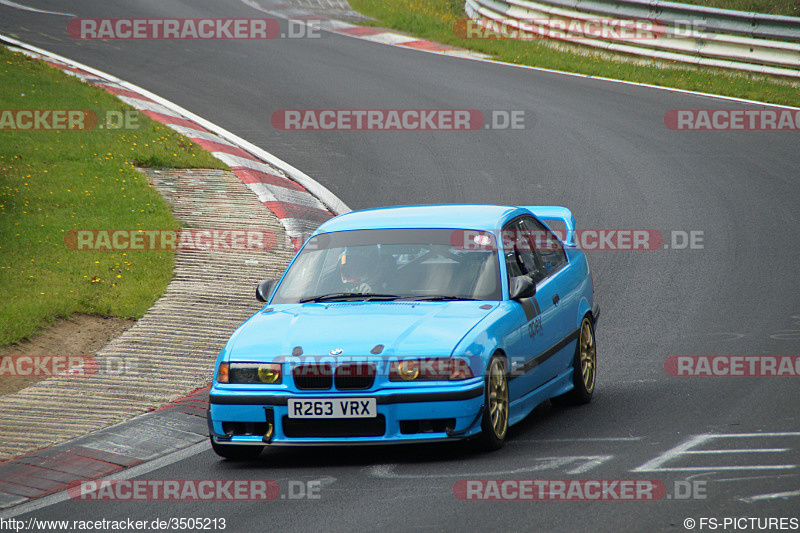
[358, 268]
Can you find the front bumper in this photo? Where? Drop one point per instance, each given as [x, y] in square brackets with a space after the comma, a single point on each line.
[415, 414]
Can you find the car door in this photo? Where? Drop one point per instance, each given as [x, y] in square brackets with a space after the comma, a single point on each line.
[531, 334]
[557, 290]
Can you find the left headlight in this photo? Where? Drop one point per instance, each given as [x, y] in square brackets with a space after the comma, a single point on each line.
[429, 369]
[262, 373]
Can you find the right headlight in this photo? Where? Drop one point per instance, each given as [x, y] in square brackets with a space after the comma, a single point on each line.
[430, 369]
[261, 373]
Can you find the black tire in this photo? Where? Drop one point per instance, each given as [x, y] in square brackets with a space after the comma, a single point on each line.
[584, 367]
[495, 412]
[236, 452]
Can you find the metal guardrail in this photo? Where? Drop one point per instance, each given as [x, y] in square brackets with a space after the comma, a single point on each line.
[754, 42]
[720, 20]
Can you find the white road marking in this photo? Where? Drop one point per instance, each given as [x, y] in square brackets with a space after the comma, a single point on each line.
[579, 439]
[587, 462]
[753, 478]
[33, 9]
[772, 496]
[654, 464]
[717, 468]
[751, 435]
[591, 463]
[657, 464]
[388, 38]
[742, 450]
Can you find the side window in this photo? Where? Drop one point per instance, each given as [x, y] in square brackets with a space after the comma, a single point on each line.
[519, 250]
[549, 249]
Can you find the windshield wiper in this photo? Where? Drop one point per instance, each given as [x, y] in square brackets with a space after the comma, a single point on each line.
[368, 296]
[436, 297]
[348, 296]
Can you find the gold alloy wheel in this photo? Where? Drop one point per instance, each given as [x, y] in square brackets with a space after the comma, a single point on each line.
[498, 397]
[588, 355]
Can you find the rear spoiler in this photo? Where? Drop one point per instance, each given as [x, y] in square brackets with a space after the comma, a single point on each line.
[557, 213]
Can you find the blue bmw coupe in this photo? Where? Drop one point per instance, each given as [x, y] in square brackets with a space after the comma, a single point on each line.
[411, 324]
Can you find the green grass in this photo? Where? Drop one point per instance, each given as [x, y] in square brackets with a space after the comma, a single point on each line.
[55, 181]
[789, 8]
[435, 20]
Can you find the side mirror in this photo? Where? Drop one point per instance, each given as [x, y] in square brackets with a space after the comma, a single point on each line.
[521, 287]
[264, 289]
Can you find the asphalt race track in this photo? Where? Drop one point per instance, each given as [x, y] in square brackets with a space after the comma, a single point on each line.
[598, 147]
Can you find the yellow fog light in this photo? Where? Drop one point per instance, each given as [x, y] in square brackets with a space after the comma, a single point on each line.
[408, 370]
[269, 373]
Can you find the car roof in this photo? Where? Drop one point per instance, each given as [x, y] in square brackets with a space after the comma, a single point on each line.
[466, 216]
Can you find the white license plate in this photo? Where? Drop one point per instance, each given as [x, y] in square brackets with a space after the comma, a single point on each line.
[333, 408]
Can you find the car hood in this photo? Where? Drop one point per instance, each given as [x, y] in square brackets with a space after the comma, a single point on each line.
[403, 328]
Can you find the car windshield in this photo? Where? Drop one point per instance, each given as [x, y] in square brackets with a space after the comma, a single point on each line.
[393, 264]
